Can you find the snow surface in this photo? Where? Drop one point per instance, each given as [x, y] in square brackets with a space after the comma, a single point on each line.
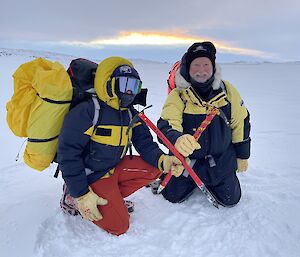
[266, 222]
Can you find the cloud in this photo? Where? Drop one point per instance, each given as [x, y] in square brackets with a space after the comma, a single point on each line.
[130, 38]
[251, 24]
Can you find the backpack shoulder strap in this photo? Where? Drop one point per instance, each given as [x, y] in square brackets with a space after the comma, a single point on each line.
[95, 121]
[223, 87]
[97, 110]
[183, 100]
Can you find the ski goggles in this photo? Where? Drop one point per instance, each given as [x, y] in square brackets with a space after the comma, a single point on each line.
[131, 86]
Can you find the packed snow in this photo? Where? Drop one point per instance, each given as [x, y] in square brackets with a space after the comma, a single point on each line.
[265, 223]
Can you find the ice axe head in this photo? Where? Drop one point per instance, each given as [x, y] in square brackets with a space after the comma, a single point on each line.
[135, 119]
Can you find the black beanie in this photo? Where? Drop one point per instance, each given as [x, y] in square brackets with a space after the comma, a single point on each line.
[199, 49]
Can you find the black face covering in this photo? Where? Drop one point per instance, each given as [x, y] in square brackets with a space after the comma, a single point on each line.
[203, 90]
[126, 99]
[202, 87]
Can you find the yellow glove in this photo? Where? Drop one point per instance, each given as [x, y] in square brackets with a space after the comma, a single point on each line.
[87, 205]
[171, 163]
[186, 145]
[242, 165]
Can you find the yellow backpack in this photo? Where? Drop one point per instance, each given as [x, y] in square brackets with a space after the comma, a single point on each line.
[44, 92]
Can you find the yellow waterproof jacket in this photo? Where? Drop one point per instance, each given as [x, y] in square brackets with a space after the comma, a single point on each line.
[42, 97]
[224, 140]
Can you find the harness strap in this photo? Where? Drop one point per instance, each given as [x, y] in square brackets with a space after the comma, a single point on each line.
[44, 140]
[53, 101]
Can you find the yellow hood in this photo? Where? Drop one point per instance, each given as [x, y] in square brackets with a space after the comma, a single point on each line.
[103, 74]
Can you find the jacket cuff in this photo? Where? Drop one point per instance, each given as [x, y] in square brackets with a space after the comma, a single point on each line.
[77, 189]
[242, 149]
[173, 135]
[160, 163]
[81, 197]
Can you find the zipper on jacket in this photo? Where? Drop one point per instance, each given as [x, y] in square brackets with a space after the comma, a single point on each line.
[129, 144]
[121, 120]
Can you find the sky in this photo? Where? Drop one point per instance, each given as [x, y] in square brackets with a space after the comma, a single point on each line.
[155, 30]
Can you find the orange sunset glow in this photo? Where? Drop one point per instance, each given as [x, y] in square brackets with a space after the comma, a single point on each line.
[165, 39]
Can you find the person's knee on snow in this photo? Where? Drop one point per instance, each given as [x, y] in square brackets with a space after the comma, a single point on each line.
[118, 227]
[230, 200]
[177, 198]
[178, 189]
[228, 193]
[115, 218]
[235, 197]
[172, 197]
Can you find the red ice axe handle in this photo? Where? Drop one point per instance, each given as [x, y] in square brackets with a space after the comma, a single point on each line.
[192, 173]
[197, 135]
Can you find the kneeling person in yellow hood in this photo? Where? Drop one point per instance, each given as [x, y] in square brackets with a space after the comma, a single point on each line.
[97, 173]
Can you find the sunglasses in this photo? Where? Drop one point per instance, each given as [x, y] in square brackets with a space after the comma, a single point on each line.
[131, 86]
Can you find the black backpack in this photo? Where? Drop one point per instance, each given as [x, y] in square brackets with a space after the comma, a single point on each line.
[82, 75]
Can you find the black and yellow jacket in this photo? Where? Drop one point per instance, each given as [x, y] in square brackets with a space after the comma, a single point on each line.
[100, 148]
[224, 140]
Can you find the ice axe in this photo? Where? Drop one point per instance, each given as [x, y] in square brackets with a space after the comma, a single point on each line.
[167, 143]
[197, 135]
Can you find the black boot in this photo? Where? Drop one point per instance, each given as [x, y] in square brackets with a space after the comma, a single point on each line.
[129, 205]
[154, 185]
[67, 203]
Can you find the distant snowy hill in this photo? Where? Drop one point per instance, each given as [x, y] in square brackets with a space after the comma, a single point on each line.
[265, 223]
[33, 54]
[30, 54]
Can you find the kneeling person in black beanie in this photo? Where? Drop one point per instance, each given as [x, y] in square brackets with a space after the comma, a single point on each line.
[224, 146]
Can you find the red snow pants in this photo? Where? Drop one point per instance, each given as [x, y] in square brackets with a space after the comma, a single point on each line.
[129, 176]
